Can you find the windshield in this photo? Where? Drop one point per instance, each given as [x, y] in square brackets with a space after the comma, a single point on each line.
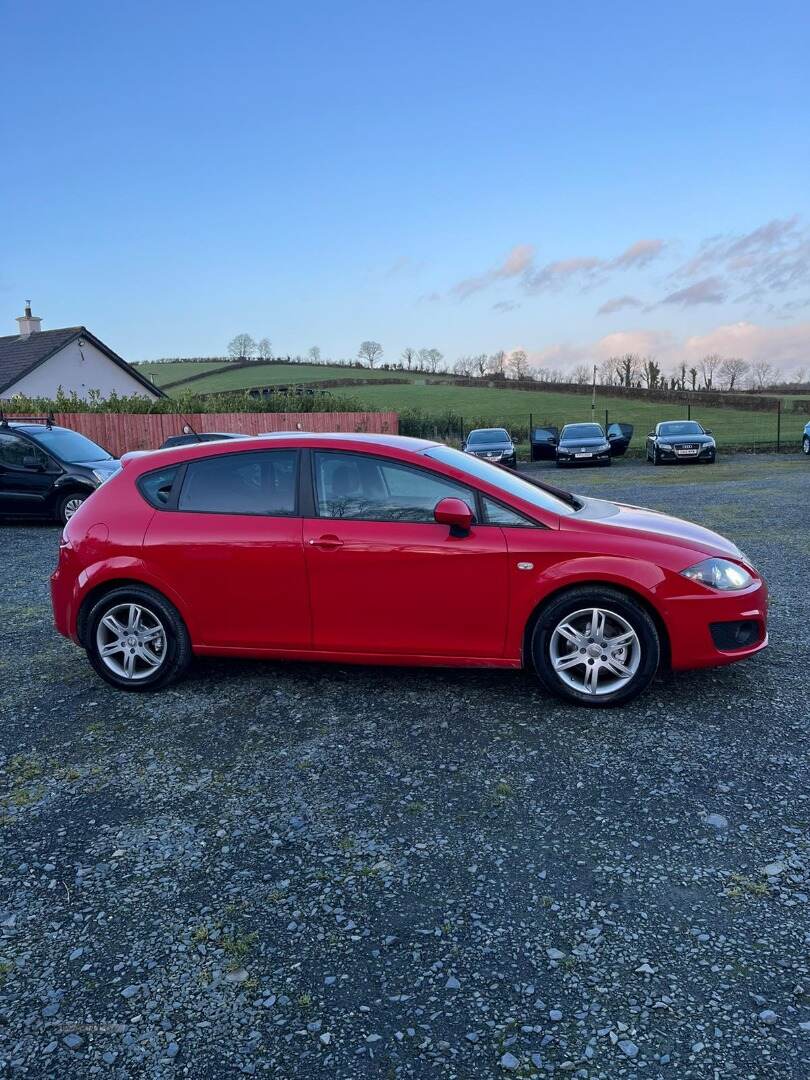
[70, 446]
[680, 427]
[488, 435]
[582, 431]
[506, 481]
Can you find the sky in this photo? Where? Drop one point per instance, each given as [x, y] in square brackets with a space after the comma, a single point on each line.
[574, 179]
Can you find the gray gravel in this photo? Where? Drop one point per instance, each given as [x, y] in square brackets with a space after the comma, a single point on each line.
[305, 871]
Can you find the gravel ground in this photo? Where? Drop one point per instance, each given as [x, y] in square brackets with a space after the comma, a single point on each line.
[305, 871]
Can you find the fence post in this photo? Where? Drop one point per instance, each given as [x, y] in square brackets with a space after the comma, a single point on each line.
[606, 421]
[778, 424]
[461, 423]
[689, 410]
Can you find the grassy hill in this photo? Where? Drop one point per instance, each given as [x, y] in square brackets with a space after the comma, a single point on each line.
[484, 406]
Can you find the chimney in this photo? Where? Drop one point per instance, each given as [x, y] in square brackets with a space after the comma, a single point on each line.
[28, 323]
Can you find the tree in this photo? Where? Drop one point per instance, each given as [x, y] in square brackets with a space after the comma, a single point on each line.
[497, 363]
[650, 372]
[627, 368]
[582, 374]
[242, 347]
[431, 359]
[408, 357]
[480, 364]
[606, 372]
[693, 376]
[370, 351]
[463, 366]
[314, 354]
[708, 368]
[732, 370]
[265, 349]
[517, 364]
[762, 374]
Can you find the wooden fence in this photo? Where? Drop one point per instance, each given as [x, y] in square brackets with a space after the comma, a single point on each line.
[120, 432]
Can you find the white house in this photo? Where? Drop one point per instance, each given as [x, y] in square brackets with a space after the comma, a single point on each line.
[37, 362]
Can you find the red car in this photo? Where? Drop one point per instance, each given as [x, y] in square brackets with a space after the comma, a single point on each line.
[387, 550]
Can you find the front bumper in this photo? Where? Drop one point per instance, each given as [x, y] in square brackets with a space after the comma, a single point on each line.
[693, 622]
[596, 458]
[705, 453]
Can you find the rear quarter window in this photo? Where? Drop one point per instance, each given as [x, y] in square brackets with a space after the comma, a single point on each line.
[156, 487]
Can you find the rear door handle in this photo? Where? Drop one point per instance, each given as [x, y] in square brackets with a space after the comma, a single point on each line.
[326, 542]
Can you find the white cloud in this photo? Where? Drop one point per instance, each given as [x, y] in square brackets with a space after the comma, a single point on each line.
[516, 262]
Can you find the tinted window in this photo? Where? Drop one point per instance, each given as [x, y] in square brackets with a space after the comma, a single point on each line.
[70, 446]
[364, 488]
[506, 480]
[680, 427]
[582, 431]
[262, 482]
[487, 436]
[21, 454]
[156, 487]
[496, 513]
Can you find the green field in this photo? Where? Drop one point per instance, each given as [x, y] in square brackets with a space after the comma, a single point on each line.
[171, 370]
[489, 406]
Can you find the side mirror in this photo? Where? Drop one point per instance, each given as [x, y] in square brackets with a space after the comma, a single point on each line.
[708, 430]
[454, 513]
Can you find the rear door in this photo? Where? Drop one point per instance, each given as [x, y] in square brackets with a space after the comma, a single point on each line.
[385, 578]
[619, 436]
[227, 538]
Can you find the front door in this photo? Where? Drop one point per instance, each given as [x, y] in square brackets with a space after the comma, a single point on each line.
[26, 476]
[385, 578]
[231, 548]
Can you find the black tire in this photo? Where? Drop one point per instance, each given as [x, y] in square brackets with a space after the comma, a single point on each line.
[615, 602]
[607, 464]
[66, 508]
[176, 655]
[656, 460]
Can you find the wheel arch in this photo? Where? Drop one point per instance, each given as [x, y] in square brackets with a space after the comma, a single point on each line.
[630, 593]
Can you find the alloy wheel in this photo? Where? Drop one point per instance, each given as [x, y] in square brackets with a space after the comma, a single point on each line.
[595, 651]
[131, 641]
[71, 506]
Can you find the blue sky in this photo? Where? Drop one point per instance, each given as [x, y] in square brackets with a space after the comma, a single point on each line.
[458, 175]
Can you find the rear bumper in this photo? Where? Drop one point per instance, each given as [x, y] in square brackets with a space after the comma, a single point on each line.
[693, 627]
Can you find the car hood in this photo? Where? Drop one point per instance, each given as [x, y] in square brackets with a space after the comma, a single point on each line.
[106, 465]
[490, 448]
[660, 526]
[570, 444]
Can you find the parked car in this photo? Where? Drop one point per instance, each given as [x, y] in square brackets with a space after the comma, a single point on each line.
[582, 444]
[681, 440]
[491, 444]
[48, 471]
[189, 437]
[381, 549]
[806, 439]
[545, 440]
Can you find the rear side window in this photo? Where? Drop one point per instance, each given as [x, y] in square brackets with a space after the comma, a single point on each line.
[156, 487]
[259, 482]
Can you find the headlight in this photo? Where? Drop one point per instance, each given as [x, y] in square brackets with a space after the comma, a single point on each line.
[101, 476]
[664, 446]
[719, 574]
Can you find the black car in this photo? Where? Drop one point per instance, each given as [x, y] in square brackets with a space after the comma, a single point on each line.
[545, 441]
[48, 471]
[492, 444]
[187, 438]
[587, 444]
[681, 440]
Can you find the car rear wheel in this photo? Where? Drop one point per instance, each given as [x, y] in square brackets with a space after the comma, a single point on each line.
[806, 445]
[595, 646]
[68, 506]
[136, 640]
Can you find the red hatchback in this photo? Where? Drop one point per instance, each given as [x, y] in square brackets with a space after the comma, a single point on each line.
[386, 550]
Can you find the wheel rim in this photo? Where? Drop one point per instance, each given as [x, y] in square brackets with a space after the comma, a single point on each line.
[806, 446]
[131, 641]
[71, 506]
[595, 651]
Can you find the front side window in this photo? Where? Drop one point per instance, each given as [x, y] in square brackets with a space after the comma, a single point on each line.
[259, 482]
[360, 487]
[509, 482]
[20, 454]
[496, 513]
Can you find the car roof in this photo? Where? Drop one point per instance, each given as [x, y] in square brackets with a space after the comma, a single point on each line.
[35, 429]
[478, 430]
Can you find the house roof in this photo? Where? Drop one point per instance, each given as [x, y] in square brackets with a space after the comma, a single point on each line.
[21, 355]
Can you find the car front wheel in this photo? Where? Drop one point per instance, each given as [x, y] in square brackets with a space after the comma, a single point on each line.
[595, 646]
[806, 445]
[136, 640]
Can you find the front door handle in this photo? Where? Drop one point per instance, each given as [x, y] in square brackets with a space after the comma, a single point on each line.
[327, 542]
